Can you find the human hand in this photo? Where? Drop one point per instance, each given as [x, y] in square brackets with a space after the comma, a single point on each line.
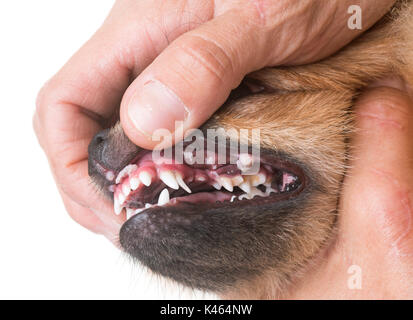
[376, 211]
[149, 53]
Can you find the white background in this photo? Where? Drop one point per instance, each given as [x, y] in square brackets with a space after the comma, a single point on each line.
[43, 253]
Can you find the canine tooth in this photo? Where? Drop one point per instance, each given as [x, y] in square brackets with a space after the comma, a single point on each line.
[237, 180]
[129, 213]
[163, 197]
[134, 183]
[125, 189]
[226, 183]
[146, 178]
[233, 198]
[182, 183]
[121, 198]
[246, 187]
[116, 206]
[169, 179]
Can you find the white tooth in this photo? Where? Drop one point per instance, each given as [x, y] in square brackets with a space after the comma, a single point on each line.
[254, 192]
[134, 183]
[233, 198]
[125, 172]
[237, 180]
[246, 187]
[121, 198]
[182, 183]
[217, 185]
[125, 189]
[258, 179]
[116, 206]
[168, 178]
[129, 213]
[146, 178]
[163, 197]
[227, 183]
[147, 205]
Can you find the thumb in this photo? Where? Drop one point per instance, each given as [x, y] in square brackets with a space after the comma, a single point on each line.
[377, 203]
[192, 77]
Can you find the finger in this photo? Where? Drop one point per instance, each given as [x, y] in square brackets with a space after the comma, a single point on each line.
[192, 77]
[377, 197]
[83, 96]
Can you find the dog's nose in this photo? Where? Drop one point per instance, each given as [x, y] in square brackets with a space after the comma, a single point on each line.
[99, 139]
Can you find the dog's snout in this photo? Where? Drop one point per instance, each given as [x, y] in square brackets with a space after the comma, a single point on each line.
[99, 139]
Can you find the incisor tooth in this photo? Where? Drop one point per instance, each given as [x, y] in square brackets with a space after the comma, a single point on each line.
[146, 178]
[134, 183]
[226, 183]
[163, 197]
[169, 179]
[182, 183]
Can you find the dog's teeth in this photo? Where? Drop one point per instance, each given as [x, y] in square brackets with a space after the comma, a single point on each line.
[163, 197]
[168, 178]
[258, 179]
[129, 213]
[244, 161]
[116, 206]
[217, 185]
[233, 198]
[237, 180]
[125, 189]
[125, 172]
[246, 187]
[121, 198]
[182, 183]
[146, 178]
[250, 195]
[134, 183]
[226, 183]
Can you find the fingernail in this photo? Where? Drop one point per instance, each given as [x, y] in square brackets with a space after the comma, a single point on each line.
[155, 106]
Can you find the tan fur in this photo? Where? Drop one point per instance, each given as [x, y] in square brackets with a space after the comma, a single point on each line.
[309, 115]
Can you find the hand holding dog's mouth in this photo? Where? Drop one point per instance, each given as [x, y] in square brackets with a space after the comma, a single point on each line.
[83, 98]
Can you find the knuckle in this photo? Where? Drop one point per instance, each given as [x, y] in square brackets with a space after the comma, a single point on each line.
[208, 55]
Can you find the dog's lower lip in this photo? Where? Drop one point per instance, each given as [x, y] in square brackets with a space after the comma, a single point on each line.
[144, 184]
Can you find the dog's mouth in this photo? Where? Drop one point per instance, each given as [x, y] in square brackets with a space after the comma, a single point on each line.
[148, 182]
